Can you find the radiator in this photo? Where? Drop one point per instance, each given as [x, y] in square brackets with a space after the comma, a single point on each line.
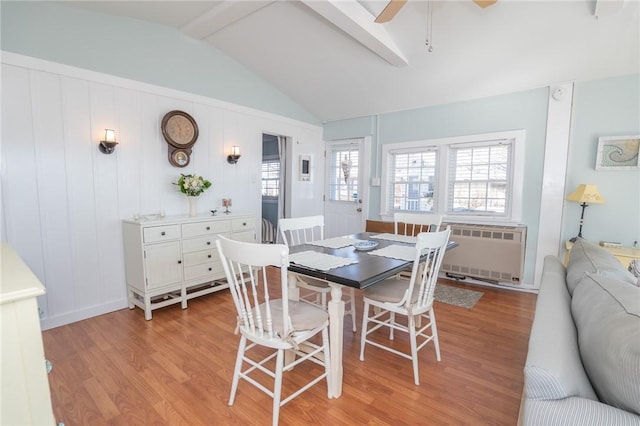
[486, 252]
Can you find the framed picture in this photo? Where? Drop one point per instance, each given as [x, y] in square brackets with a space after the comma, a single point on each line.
[305, 168]
[618, 153]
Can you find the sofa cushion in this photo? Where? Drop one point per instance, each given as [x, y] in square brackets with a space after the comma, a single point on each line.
[553, 369]
[589, 257]
[607, 316]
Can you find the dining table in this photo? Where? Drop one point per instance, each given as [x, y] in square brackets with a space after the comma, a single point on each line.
[349, 261]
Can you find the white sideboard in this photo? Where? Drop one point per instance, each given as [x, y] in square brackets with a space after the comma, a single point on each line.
[173, 259]
[26, 398]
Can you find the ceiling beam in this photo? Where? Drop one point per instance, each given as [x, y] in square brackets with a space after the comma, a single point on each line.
[352, 18]
[219, 16]
[607, 7]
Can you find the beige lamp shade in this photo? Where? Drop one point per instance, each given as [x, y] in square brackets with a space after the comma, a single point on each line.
[586, 193]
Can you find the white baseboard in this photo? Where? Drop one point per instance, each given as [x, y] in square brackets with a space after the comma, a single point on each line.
[74, 316]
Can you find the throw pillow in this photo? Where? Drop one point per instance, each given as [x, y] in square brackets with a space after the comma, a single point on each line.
[589, 257]
[607, 316]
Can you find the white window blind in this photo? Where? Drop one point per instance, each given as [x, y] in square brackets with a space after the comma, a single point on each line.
[472, 177]
[344, 161]
[413, 180]
[479, 179]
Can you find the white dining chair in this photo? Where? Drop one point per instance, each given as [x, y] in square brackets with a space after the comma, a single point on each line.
[415, 223]
[279, 324]
[412, 298]
[301, 230]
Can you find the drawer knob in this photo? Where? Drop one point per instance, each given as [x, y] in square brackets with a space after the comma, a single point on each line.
[208, 243]
[209, 268]
[244, 223]
[179, 262]
[163, 233]
[209, 256]
[208, 228]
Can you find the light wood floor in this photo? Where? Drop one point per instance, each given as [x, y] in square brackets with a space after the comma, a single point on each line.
[176, 369]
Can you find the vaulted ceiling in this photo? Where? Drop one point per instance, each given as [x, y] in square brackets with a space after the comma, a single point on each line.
[331, 58]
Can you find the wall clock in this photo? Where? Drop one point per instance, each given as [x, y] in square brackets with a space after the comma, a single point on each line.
[180, 131]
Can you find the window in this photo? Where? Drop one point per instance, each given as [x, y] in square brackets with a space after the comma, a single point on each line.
[413, 178]
[343, 172]
[271, 178]
[479, 179]
[471, 176]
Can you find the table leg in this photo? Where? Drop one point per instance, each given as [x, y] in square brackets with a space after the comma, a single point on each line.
[336, 321]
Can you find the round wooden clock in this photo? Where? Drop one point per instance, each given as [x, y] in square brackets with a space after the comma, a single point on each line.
[180, 131]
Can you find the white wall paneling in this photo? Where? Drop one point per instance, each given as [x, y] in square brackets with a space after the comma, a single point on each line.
[63, 201]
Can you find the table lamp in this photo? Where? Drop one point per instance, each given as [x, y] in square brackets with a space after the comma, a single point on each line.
[585, 194]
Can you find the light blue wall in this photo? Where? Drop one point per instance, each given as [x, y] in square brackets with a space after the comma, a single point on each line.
[608, 107]
[601, 108]
[137, 50]
[523, 110]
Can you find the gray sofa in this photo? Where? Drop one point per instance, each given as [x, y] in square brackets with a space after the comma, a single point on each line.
[583, 362]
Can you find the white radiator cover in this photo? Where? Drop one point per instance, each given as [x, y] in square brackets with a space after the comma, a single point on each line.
[486, 252]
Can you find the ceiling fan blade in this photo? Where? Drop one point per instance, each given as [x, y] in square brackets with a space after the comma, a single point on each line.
[484, 3]
[390, 11]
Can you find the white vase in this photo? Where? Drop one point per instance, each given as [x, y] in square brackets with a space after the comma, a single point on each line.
[192, 206]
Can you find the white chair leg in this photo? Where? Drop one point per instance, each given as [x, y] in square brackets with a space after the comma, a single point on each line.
[277, 387]
[414, 349]
[363, 331]
[434, 333]
[327, 360]
[237, 369]
[392, 321]
[353, 309]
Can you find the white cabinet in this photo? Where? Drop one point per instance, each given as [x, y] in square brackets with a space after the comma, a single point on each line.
[26, 399]
[171, 260]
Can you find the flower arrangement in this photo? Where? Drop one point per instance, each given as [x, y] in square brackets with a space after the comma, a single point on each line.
[192, 185]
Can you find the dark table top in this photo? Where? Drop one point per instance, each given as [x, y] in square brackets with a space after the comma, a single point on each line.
[369, 270]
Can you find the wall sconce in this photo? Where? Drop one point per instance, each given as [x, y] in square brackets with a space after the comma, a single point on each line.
[108, 145]
[234, 156]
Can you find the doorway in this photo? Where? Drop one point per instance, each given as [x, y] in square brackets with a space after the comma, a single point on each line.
[346, 205]
[274, 184]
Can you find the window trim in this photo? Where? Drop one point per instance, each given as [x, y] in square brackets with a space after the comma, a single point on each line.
[514, 209]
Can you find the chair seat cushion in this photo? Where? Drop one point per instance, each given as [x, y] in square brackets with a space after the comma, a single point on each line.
[314, 282]
[303, 315]
[391, 291]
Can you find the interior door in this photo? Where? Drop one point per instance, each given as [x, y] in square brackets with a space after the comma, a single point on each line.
[346, 200]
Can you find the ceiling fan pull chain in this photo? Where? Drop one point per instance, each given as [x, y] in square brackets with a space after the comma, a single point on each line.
[429, 41]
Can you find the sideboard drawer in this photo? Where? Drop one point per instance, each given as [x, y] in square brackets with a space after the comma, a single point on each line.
[205, 228]
[155, 234]
[202, 256]
[212, 269]
[243, 224]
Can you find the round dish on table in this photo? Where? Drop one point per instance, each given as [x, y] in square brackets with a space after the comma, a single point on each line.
[365, 245]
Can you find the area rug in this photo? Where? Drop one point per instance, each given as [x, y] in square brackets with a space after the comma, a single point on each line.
[456, 296]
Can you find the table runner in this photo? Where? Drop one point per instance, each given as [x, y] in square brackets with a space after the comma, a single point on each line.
[321, 261]
[396, 237]
[336, 242]
[396, 251]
